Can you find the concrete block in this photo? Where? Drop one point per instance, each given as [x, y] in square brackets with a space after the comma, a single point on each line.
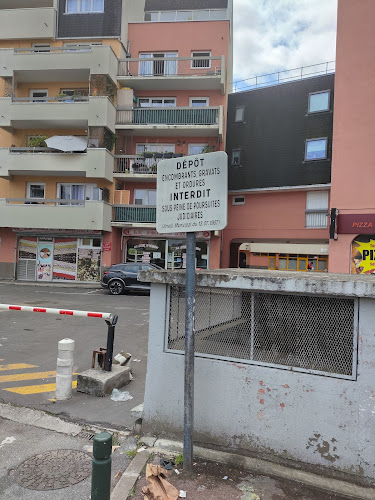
[137, 411]
[99, 382]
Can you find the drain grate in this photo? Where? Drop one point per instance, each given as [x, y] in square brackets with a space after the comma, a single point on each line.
[53, 470]
[86, 435]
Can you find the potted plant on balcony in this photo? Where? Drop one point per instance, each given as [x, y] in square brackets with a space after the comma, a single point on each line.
[61, 97]
[208, 149]
[154, 168]
[148, 154]
[168, 154]
[38, 142]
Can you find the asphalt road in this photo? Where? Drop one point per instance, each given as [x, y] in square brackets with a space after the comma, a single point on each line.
[31, 339]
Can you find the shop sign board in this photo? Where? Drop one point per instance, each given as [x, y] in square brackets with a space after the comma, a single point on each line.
[192, 193]
[356, 224]
[363, 255]
[107, 246]
[152, 233]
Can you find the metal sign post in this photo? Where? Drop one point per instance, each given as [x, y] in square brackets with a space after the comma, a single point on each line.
[191, 196]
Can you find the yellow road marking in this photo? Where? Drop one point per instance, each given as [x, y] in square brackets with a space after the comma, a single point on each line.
[26, 376]
[36, 389]
[17, 366]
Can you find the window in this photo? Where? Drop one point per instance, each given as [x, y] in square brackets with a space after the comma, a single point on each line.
[239, 114]
[238, 200]
[41, 47]
[157, 64]
[316, 209]
[186, 15]
[199, 102]
[236, 157]
[84, 6]
[157, 102]
[90, 242]
[155, 148]
[36, 190]
[319, 101]
[75, 93]
[38, 95]
[201, 63]
[196, 149]
[71, 192]
[316, 149]
[80, 47]
[145, 197]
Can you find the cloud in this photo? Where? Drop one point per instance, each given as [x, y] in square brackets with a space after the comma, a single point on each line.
[274, 35]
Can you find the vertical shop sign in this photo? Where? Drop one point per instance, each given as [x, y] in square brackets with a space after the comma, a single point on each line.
[363, 255]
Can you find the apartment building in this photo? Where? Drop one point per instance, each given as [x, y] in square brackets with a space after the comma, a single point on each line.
[352, 240]
[92, 95]
[279, 144]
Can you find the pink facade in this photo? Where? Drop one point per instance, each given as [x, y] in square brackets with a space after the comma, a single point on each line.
[269, 217]
[353, 143]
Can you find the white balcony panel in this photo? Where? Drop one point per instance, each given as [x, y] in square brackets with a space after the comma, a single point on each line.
[97, 111]
[95, 163]
[93, 215]
[21, 24]
[59, 65]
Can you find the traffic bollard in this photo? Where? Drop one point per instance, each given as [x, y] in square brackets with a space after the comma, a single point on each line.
[101, 467]
[64, 370]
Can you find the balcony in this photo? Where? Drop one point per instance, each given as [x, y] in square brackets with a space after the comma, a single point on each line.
[37, 23]
[171, 121]
[132, 215]
[55, 214]
[52, 112]
[173, 73]
[94, 163]
[136, 167]
[58, 64]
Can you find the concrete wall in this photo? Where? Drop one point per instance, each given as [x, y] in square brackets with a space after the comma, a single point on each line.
[27, 23]
[317, 422]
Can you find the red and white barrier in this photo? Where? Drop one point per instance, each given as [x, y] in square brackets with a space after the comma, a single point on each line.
[49, 310]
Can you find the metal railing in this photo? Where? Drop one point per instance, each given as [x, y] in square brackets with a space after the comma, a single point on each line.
[67, 99]
[168, 116]
[47, 50]
[285, 76]
[28, 150]
[170, 67]
[134, 213]
[135, 164]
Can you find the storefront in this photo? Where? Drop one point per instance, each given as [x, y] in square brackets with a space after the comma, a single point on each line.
[284, 256]
[59, 257]
[165, 250]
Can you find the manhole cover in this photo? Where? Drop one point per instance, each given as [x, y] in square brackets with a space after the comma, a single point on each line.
[53, 470]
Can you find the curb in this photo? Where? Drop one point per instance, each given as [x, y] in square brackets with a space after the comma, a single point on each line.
[94, 286]
[269, 469]
[130, 475]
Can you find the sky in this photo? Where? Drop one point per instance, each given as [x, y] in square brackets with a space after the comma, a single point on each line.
[274, 35]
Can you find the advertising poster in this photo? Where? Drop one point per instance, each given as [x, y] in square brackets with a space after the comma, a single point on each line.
[27, 248]
[88, 264]
[363, 255]
[65, 259]
[44, 269]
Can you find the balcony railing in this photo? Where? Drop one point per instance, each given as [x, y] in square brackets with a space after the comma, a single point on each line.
[133, 164]
[172, 67]
[47, 50]
[134, 213]
[64, 99]
[30, 150]
[168, 116]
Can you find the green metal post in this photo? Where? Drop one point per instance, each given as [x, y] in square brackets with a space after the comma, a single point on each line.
[101, 467]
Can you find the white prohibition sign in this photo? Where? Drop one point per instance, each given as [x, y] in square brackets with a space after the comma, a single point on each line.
[192, 193]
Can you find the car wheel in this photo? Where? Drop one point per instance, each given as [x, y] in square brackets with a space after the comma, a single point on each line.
[116, 287]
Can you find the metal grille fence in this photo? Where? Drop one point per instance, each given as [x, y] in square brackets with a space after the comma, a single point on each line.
[304, 333]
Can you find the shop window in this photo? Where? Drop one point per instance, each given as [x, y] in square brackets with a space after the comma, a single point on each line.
[239, 115]
[319, 101]
[84, 6]
[201, 63]
[316, 149]
[36, 191]
[316, 209]
[238, 200]
[236, 157]
[293, 262]
[90, 242]
[272, 261]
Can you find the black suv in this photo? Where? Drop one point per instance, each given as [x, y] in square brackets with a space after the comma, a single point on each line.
[122, 277]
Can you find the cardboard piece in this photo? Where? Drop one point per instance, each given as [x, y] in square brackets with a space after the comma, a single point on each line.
[158, 488]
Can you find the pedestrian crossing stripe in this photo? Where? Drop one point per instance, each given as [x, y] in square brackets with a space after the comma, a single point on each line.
[16, 366]
[16, 377]
[36, 389]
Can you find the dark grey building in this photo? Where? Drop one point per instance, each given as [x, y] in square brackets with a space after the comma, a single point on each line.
[102, 18]
[281, 135]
